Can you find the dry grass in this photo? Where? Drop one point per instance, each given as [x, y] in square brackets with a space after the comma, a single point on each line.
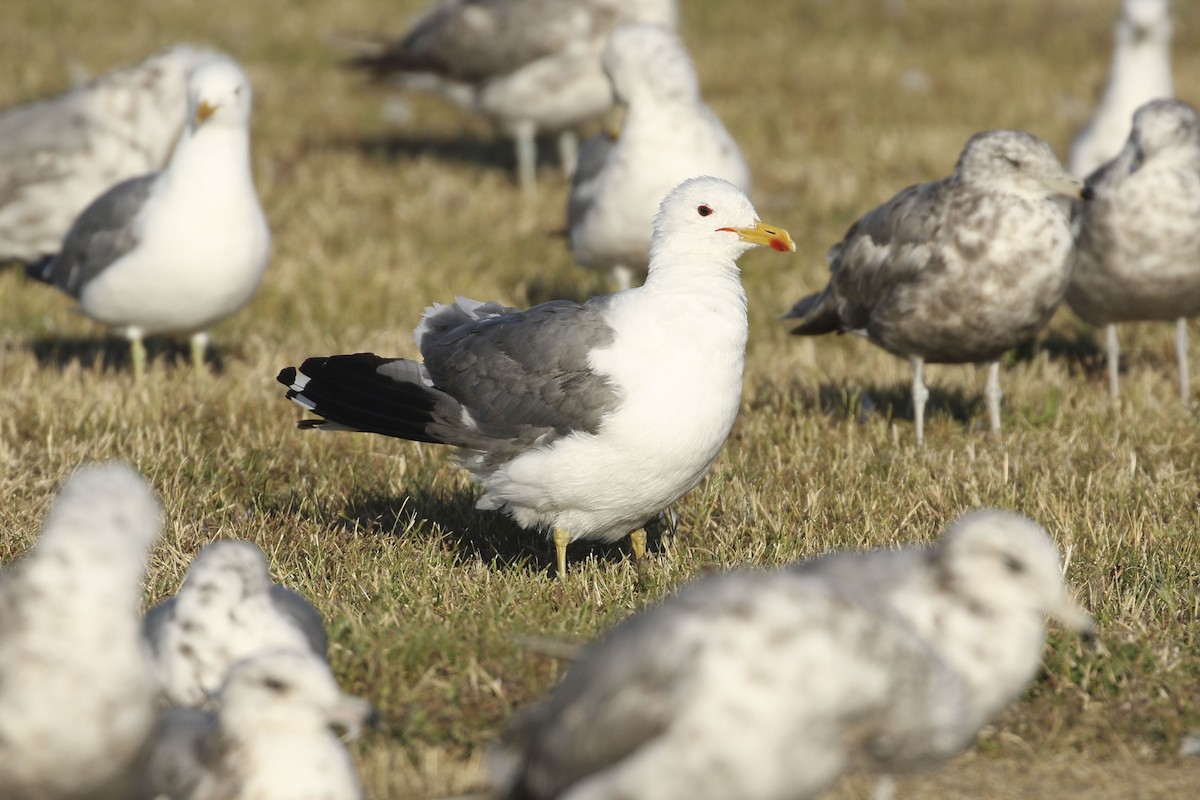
[427, 598]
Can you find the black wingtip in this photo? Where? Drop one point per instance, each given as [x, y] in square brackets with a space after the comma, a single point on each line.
[41, 270]
[286, 376]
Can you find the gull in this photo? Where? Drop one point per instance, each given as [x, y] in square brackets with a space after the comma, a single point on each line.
[668, 135]
[59, 154]
[1141, 72]
[955, 271]
[582, 420]
[78, 699]
[178, 250]
[226, 610]
[528, 65]
[1139, 239]
[270, 738]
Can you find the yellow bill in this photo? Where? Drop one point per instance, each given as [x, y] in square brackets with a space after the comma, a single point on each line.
[771, 236]
[204, 111]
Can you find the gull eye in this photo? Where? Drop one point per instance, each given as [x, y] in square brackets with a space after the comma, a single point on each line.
[704, 211]
[1012, 162]
[1013, 565]
[276, 685]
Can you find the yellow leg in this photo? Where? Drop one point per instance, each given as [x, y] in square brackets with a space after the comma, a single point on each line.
[637, 541]
[561, 540]
[199, 343]
[137, 353]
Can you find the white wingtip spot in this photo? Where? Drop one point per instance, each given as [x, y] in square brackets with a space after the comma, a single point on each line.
[300, 382]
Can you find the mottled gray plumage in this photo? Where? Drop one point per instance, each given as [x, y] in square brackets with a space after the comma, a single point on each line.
[1139, 240]
[959, 270]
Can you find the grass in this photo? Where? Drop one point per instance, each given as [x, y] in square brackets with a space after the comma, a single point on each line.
[428, 600]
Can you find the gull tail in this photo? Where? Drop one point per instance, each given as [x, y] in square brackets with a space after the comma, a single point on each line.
[365, 392]
[42, 269]
[817, 314]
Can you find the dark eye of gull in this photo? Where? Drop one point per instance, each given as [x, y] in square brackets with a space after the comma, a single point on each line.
[704, 211]
[1013, 565]
[1012, 162]
[276, 685]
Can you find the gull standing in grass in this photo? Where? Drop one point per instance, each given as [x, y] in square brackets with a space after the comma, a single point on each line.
[78, 700]
[226, 610]
[582, 420]
[58, 155]
[1141, 72]
[528, 65]
[668, 135]
[178, 250]
[956, 271]
[271, 738]
[1139, 239]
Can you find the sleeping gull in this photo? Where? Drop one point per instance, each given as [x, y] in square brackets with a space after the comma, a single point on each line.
[1141, 72]
[226, 610]
[528, 65]
[583, 420]
[58, 155]
[668, 135]
[1139, 239]
[78, 699]
[956, 271]
[178, 250]
[271, 737]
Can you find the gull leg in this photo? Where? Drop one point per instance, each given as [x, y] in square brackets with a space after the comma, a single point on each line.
[919, 395]
[993, 394]
[561, 540]
[137, 354]
[568, 152]
[1181, 352]
[885, 788]
[637, 542]
[1114, 360]
[525, 139]
[622, 277]
[199, 346]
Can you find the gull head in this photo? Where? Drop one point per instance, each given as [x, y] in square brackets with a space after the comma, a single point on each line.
[711, 219]
[1017, 162]
[1162, 125]
[218, 95]
[105, 510]
[1145, 21]
[226, 572]
[1003, 563]
[648, 63]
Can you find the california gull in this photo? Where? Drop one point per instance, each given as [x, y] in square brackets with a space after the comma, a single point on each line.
[270, 738]
[667, 136]
[178, 250]
[58, 155]
[1139, 239]
[78, 699]
[226, 610]
[1140, 72]
[528, 65]
[955, 271]
[583, 420]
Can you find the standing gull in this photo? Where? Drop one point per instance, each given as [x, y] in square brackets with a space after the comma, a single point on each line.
[271, 737]
[181, 249]
[1141, 72]
[77, 696]
[955, 271]
[528, 65]
[1139, 239]
[668, 135]
[58, 155]
[226, 610]
[583, 420]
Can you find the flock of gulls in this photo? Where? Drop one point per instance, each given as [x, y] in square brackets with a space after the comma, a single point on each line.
[133, 194]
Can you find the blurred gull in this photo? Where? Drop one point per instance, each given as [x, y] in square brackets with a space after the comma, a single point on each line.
[1139, 239]
[582, 420]
[226, 610]
[955, 271]
[178, 250]
[60, 154]
[78, 699]
[528, 65]
[668, 136]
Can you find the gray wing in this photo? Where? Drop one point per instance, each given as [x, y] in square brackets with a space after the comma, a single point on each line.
[296, 607]
[177, 757]
[104, 232]
[516, 370]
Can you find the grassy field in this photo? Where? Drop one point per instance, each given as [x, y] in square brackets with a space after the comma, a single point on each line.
[837, 105]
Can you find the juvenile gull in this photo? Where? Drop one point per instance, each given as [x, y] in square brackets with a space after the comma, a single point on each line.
[583, 420]
[271, 737]
[1141, 72]
[668, 135]
[955, 271]
[58, 155]
[1139, 239]
[528, 65]
[178, 250]
[226, 610]
[78, 699]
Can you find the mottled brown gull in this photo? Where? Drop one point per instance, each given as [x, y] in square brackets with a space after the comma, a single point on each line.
[583, 420]
[59, 154]
[529, 65]
[1139, 239]
[955, 271]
